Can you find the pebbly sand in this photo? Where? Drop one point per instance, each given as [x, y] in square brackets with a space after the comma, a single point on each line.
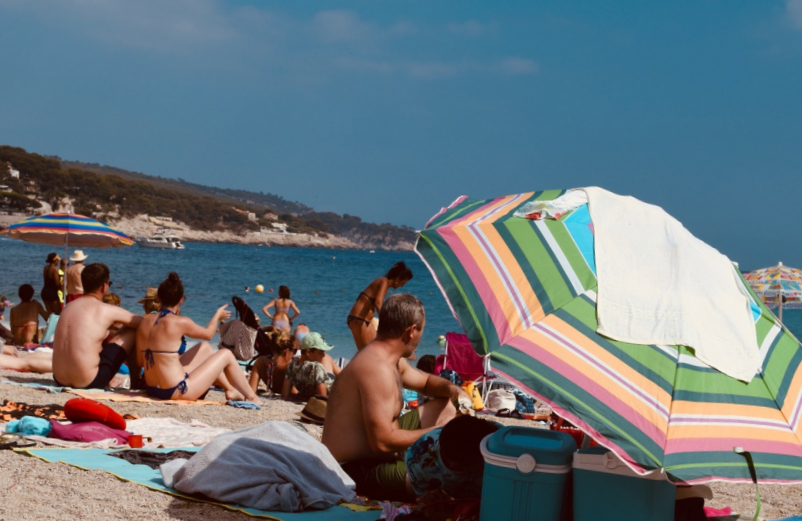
[36, 490]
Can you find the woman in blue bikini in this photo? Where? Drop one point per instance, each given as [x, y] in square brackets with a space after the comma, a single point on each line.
[283, 304]
[369, 303]
[169, 375]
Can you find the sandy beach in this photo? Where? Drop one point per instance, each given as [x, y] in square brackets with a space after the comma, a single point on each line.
[33, 489]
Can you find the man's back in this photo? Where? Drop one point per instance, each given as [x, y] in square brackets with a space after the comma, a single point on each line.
[74, 285]
[81, 330]
[370, 373]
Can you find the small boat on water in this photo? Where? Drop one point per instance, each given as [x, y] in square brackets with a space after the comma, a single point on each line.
[162, 239]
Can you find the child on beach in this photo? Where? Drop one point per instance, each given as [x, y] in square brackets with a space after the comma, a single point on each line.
[25, 317]
[306, 375]
[169, 375]
[4, 303]
[370, 301]
[271, 369]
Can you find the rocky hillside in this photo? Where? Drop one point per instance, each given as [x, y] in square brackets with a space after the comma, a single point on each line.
[208, 213]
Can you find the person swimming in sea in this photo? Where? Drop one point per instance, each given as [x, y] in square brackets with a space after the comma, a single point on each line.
[370, 300]
[283, 304]
[169, 375]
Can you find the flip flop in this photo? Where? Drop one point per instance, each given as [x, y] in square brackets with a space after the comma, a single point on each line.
[503, 413]
[10, 441]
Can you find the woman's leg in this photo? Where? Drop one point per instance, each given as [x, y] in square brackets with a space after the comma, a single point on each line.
[209, 370]
[195, 356]
[34, 362]
[363, 333]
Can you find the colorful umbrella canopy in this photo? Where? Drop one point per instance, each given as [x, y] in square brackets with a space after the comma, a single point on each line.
[778, 286]
[67, 229]
[524, 292]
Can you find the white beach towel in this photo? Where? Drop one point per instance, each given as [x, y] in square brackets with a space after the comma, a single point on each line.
[272, 466]
[658, 284]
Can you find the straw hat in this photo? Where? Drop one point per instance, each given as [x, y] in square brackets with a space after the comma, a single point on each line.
[78, 256]
[315, 410]
[150, 294]
[315, 341]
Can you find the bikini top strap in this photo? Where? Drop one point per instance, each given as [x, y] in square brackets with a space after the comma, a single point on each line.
[163, 313]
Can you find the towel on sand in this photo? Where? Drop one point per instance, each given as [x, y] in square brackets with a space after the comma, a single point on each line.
[272, 466]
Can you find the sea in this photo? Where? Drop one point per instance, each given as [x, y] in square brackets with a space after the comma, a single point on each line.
[324, 283]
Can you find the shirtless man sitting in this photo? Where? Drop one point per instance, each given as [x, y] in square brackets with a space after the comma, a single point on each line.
[25, 317]
[363, 430]
[83, 354]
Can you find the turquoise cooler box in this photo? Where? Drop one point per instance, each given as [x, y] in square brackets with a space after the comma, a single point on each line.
[525, 476]
[605, 488]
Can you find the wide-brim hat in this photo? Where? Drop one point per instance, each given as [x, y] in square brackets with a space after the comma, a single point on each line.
[78, 256]
[315, 341]
[150, 294]
[315, 410]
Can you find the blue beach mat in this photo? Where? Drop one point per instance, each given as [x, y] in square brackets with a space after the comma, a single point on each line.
[99, 459]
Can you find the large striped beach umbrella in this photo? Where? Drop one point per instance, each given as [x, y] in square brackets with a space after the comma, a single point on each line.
[524, 292]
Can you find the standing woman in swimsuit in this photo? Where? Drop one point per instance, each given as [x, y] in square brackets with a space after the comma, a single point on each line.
[49, 292]
[169, 375]
[283, 304]
[372, 298]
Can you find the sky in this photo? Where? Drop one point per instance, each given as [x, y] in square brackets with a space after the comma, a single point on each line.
[390, 110]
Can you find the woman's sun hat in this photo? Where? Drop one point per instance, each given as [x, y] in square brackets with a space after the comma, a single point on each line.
[315, 410]
[78, 256]
[315, 341]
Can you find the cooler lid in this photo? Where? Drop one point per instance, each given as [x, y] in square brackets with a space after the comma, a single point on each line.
[601, 459]
[548, 447]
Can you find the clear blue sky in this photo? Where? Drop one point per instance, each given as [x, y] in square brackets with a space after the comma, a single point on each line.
[390, 109]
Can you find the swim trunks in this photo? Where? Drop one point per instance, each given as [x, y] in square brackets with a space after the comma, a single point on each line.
[112, 356]
[380, 478]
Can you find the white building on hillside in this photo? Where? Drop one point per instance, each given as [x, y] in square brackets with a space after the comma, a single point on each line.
[11, 171]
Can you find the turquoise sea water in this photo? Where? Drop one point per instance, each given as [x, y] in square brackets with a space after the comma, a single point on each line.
[324, 283]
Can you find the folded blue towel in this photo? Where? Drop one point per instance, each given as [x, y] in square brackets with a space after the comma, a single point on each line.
[29, 425]
[242, 404]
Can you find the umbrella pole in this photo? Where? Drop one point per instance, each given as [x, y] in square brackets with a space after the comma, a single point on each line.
[780, 298]
[66, 252]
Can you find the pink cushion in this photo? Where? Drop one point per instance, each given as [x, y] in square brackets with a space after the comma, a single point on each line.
[84, 410]
[87, 432]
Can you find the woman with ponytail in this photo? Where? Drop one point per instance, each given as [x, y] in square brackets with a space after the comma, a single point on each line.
[188, 376]
[370, 300]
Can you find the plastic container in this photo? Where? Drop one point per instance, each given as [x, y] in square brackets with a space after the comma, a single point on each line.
[605, 488]
[525, 475]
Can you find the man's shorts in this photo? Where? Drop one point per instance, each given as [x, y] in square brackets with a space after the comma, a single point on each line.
[380, 478]
[112, 356]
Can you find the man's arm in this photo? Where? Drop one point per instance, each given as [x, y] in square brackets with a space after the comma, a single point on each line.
[428, 384]
[384, 435]
[125, 317]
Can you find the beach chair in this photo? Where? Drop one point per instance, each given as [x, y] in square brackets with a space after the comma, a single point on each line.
[249, 318]
[460, 357]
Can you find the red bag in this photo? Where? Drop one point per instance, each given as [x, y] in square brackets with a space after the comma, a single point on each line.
[84, 410]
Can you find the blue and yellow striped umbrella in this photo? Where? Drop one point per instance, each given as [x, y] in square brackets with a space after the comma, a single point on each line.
[68, 229]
